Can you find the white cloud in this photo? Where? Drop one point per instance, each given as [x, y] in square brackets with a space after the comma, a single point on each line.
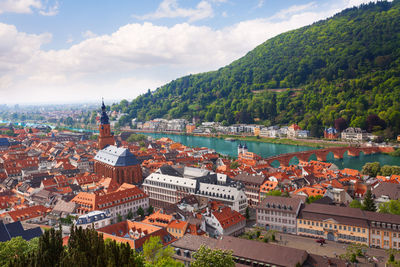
[19, 6]
[50, 10]
[294, 10]
[89, 34]
[260, 3]
[171, 9]
[133, 58]
[224, 14]
[43, 7]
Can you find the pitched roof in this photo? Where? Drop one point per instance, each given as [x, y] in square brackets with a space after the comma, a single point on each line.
[228, 217]
[280, 203]
[28, 213]
[10, 230]
[116, 156]
[248, 178]
[246, 249]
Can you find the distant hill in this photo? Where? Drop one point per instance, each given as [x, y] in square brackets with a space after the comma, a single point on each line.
[346, 67]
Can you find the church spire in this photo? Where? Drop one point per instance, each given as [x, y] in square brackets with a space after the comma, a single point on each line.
[104, 116]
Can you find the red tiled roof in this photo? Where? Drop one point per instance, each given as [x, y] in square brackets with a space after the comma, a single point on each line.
[228, 217]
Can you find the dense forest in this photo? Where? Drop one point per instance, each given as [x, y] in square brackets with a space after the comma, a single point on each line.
[346, 67]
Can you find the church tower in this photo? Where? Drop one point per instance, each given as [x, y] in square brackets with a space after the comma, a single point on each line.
[105, 136]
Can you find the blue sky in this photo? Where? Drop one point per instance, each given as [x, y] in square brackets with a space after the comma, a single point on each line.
[80, 50]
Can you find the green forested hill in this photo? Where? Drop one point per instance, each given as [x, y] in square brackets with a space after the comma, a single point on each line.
[347, 67]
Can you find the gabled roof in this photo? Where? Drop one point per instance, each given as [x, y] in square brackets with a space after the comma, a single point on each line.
[8, 231]
[228, 217]
[116, 156]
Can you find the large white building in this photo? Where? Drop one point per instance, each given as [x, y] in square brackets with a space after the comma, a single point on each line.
[168, 186]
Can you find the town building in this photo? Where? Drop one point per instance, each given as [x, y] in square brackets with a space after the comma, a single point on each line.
[118, 163]
[105, 136]
[168, 186]
[34, 214]
[252, 184]
[334, 223]
[126, 199]
[96, 219]
[224, 221]
[331, 133]
[135, 233]
[250, 253]
[355, 134]
[278, 213]
[177, 228]
[384, 230]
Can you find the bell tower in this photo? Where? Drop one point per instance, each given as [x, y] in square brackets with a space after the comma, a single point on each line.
[105, 136]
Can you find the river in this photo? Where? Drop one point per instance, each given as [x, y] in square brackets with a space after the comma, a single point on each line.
[268, 149]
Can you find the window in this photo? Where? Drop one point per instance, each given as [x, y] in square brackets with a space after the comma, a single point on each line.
[363, 230]
[354, 229]
[340, 227]
[344, 228]
[358, 230]
[394, 244]
[394, 234]
[378, 232]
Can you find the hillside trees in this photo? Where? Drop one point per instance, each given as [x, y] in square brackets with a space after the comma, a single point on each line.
[345, 67]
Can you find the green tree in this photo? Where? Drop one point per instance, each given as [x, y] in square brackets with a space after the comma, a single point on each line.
[129, 216]
[355, 204]
[206, 257]
[392, 207]
[311, 199]
[150, 210]
[276, 193]
[140, 212]
[371, 169]
[368, 203]
[136, 138]
[16, 247]
[156, 254]
[234, 165]
[247, 213]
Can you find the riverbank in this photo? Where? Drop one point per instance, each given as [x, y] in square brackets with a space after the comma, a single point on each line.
[317, 143]
[285, 141]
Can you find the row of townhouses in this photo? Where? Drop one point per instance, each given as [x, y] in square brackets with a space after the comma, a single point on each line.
[331, 222]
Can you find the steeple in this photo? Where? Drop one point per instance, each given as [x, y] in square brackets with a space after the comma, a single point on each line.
[105, 136]
[104, 117]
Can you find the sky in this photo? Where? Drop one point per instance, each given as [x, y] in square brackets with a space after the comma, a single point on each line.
[75, 51]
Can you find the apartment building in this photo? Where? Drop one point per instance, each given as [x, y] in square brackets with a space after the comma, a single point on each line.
[127, 198]
[168, 186]
[278, 213]
[252, 184]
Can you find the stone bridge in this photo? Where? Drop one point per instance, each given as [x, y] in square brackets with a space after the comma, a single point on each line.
[321, 154]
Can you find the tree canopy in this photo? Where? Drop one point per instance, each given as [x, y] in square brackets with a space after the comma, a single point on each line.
[207, 257]
[343, 67]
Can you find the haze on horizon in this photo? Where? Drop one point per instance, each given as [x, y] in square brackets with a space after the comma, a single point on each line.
[55, 51]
